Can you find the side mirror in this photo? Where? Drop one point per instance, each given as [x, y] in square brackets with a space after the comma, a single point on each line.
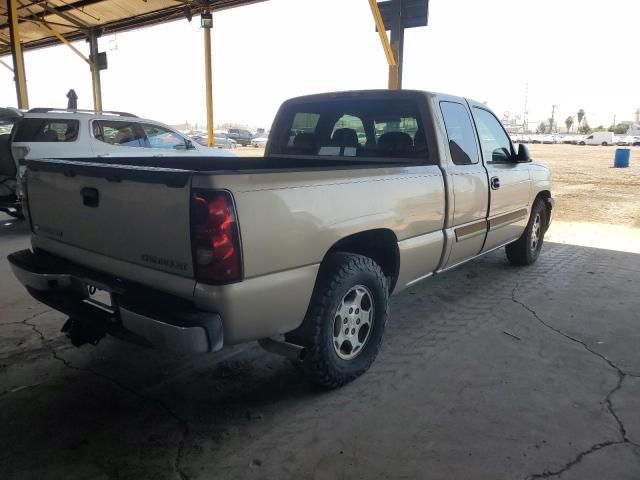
[187, 145]
[523, 154]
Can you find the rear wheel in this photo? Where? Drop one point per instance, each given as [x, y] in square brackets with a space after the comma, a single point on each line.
[526, 249]
[604, 144]
[345, 323]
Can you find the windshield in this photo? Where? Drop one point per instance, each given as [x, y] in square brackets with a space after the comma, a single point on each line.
[361, 127]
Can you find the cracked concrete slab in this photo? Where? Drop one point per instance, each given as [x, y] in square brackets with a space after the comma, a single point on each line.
[477, 379]
[627, 404]
[619, 462]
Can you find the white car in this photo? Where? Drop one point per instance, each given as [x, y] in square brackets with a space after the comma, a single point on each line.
[259, 142]
[56, 133]
[626, 141]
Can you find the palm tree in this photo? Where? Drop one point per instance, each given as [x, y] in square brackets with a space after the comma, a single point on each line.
[580, 116]
[569, 122]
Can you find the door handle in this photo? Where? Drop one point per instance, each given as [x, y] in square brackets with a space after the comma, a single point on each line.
[495, 183]
[90, 196]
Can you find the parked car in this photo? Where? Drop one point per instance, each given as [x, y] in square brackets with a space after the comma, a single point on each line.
[308, 241]
[259, 142]
[241, 136]
[9, 201]
[55, 133]
[598, 138]
[221, 140]
[627, 140]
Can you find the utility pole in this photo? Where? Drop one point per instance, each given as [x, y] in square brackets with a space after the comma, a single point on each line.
[553, 112]
[614, 122]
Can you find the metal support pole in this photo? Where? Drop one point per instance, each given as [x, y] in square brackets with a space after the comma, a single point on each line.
[95, 71]
[6, 65]
[207, 70]
[16, 53]
[397, 46]
[386, 46]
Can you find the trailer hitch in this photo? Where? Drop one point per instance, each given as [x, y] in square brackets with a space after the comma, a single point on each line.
[81, 331]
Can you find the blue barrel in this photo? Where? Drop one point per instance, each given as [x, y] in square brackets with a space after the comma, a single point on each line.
[622, 158]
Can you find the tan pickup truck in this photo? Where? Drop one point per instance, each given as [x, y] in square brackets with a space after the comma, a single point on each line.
[360, 195]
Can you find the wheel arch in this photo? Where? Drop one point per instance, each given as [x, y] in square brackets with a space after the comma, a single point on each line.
[545, 196]
[380, 244]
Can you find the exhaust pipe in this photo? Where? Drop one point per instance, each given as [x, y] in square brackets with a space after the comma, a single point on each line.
[292, 351]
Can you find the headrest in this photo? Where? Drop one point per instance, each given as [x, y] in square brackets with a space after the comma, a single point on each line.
[306, 140]
[345, 137]
[395, 141]
[49, 136]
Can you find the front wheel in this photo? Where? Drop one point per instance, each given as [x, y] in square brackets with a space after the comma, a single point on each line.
[526, 249]
[344, 326]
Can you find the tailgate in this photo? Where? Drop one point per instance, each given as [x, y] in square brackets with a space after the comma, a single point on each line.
[135, 214]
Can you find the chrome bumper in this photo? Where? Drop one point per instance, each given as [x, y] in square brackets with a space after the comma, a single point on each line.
[162, 321]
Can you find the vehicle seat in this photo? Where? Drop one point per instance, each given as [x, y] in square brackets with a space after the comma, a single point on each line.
[395, 142]
[306, 141]
[345, 137]
[419, 140]
[124, 136]
[49, 136]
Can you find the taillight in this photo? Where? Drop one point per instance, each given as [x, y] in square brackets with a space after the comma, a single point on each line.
[215, 241]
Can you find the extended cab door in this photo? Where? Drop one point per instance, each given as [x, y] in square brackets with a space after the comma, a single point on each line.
[466, 177]
[509, 182]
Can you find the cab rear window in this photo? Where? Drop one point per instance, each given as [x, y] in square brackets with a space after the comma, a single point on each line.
[46, 130]
[352, 127]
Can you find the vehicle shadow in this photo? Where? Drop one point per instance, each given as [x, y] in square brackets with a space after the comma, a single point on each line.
[118, 411]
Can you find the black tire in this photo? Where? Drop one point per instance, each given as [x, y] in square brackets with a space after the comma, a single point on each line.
[605, 144]
[341, 273]
[522, 251]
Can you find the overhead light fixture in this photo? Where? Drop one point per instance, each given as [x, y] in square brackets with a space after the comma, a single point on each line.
[187, 13]
[206, 20]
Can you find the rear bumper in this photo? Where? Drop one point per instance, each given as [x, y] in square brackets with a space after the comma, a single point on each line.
[159, 320]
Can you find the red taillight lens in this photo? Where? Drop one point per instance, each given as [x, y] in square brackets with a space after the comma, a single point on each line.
[214, 238]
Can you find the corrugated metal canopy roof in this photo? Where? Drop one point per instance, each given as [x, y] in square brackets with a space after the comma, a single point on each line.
[74, 18]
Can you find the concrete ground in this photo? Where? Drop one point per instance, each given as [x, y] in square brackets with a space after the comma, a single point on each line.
[487, 372]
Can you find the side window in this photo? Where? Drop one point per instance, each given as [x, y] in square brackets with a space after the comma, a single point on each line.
[462, 142]
[126, 134]
[303, 123]
[496, 146]
[159, 137]
[46, 130]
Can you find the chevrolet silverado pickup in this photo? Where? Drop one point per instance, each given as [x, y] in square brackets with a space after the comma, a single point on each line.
[359, 195]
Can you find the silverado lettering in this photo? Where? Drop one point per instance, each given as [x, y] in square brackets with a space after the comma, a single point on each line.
[165, 262]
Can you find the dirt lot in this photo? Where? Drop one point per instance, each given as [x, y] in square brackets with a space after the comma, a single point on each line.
[487, 372]
[586, 186]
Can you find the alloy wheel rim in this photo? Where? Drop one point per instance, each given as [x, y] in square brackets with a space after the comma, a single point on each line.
[353, 322]
[535, 233]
